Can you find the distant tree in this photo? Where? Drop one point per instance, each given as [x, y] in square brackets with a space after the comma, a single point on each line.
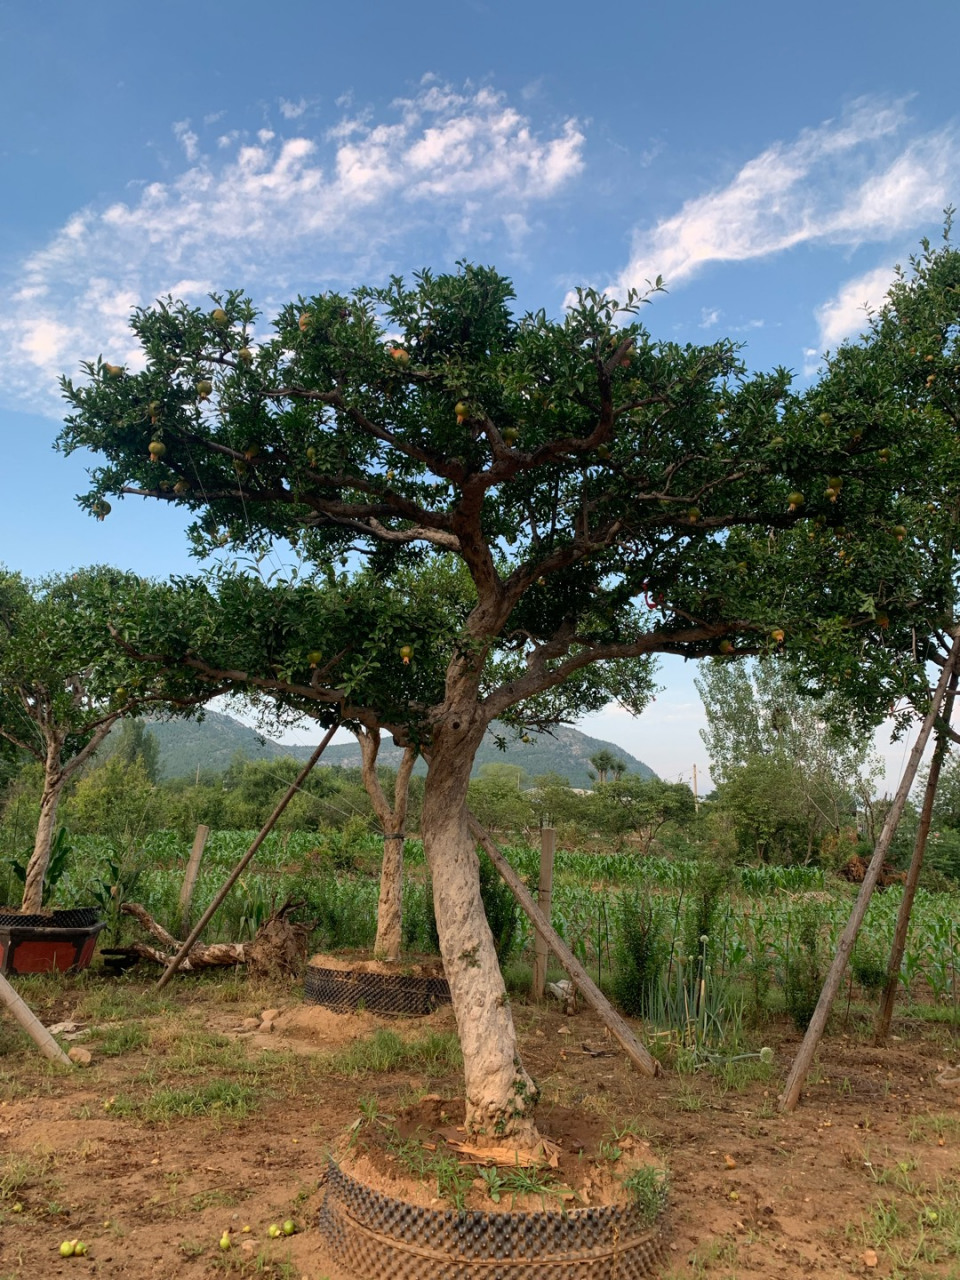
[498, 798]
[136, 742]
[806, 758]
[641, 806]
[63, 685]
[605, 762]
[117, 800]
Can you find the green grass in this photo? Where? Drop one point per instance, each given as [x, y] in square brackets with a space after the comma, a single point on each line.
[215, 1098]
[111, 1041]
[647, 1187]
[20, 1175]
[387, 1051]
[915, 1222]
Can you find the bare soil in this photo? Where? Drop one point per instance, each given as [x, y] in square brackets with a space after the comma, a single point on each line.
[860, 1180]
[409, 966]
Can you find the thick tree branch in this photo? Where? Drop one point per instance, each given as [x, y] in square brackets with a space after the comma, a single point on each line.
[229, 678]
[540, 677]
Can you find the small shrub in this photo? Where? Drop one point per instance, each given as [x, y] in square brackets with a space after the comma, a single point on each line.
[642, 952]
[419, 919]
[501, 908]
[802, 966]
[701, 915]
[869, 965]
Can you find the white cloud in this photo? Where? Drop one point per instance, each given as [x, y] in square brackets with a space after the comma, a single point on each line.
[278, 215]
[845, 314]
[187, 139]
[845, 182]
[292, 110]
[709, 317]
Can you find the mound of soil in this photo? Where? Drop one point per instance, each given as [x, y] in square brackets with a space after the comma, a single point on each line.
[580, 1162]
[408, 967]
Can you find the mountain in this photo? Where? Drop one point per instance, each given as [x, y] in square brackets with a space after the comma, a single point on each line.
[211, 744]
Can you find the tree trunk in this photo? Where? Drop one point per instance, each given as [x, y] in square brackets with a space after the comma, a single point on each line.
[390, 906]
[500, 1096]
[40, 858]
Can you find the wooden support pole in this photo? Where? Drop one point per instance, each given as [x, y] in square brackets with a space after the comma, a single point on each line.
[190, 876]
[885, 1015]
[238, 870]
[808, 1047]
[541, 948]
[31, 1024]
[578, 975]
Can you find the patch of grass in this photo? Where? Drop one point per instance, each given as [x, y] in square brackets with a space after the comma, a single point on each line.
[647, 1187]
[233, 1263]
[740, 1072]
[215, 1098]
[924, 1128]
[19, 1174]
[386, 1051]
[195, 1051]
[689, 1100]
[710, 1258]
[117, 1000]
[216, 1197]
[453, 1181]
[122, 1038]
[533, 1182]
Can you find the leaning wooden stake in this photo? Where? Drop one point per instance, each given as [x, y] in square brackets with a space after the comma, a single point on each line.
[31, 1024]
[579, 976]
[885, 1015]
[238, 870]
[801, 1064]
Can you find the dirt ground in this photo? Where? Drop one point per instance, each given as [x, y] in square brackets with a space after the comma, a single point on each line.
[196, 1117]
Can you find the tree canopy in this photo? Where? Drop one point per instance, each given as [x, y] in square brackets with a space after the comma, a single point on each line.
[594, 495]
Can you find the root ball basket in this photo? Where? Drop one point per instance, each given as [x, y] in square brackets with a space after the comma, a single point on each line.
[380, 1238]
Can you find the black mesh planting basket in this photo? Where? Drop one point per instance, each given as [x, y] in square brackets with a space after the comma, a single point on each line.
[349, 990]
[75, 918]
[379, 1238]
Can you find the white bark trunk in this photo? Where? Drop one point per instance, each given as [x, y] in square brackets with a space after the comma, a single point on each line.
[500, 1096]
[40, 858]
[390, 906]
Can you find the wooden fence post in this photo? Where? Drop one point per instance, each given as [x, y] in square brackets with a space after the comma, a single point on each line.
[190, 877]
[541, 949]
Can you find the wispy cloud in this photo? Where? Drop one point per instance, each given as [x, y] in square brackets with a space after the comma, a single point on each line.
[187, 139]
[277, 214]
[846, 314]
[846, 182]
[292, 110]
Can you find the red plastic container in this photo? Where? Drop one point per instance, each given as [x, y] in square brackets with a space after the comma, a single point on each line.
[59, 940]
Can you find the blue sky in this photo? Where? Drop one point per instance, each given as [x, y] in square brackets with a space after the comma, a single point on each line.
[771, 161]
